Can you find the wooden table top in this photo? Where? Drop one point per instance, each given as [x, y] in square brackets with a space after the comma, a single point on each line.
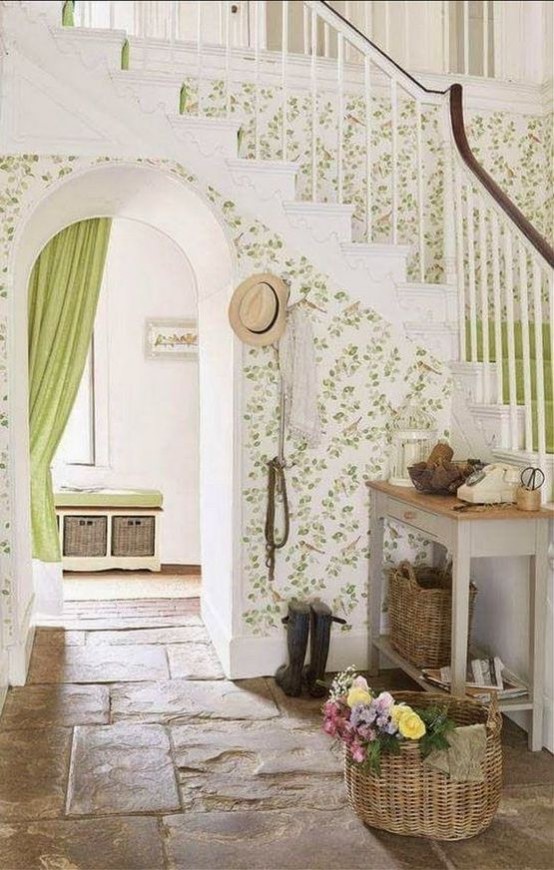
[445, 504]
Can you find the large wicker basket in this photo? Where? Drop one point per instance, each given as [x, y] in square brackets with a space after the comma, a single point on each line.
[133, 536]
[420, 614]
[414, 799]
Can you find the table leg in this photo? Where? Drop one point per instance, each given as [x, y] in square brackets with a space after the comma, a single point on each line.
[537, 632]
[461, 561]
[375, 594]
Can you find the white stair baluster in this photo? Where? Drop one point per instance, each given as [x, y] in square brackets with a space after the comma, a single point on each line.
[111, 15]
[510, 328]
[387, 26]
[471, 274]
[485, 38]
[368, 148]
[306, 29]
[284, 69]
[313, 78]
[526, 351]
[340, 75]
[257, 81]
[446, 36]
[199, 56]
[394, 157]
[227, 59]
[326, 40]
[497, 307]
[466, 37]
[484, 293]
[460, 270]
[172, 30]
[420, 194]
[368, 19]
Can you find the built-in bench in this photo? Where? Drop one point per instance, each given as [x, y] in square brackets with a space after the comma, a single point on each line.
[107, 528]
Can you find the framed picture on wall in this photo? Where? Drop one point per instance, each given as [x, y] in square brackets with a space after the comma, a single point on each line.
[171, 339]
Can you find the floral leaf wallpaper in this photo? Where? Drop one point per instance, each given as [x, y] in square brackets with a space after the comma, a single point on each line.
[365, 368]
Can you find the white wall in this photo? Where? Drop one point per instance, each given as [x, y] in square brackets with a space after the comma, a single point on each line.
[152, 430]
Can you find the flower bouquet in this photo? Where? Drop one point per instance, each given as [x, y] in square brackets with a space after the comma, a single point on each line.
[390, 782]
[370, 725]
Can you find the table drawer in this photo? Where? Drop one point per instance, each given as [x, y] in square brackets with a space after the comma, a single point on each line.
[425, 522]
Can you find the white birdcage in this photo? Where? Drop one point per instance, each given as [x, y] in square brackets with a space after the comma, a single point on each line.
[412, 441]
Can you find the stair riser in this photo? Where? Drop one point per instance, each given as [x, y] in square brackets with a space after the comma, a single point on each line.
[268, 180]
[323, 221]
[211, 139]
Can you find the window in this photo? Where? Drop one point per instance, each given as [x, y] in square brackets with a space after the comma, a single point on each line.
[77, 446]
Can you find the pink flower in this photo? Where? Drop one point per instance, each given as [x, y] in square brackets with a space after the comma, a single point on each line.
[357, 751]
[384, 701]
[361, 683]
[330, 727]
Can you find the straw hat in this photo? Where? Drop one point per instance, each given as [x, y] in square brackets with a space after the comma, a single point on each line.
[258, 309]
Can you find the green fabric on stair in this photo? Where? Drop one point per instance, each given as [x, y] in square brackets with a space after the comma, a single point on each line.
[518, 341]
[519, 368]
[125, 55]
[68, 13]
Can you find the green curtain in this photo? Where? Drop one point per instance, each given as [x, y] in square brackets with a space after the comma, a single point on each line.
[63, 296]
[68, 13]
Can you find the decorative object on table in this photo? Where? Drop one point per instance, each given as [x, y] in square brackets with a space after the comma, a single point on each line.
[302, 618]
[171, 339]
[412, 438]
[387, 740]
[528, 495]
[258, 309]
[420, 613]
[438, 473]
[493, 484]
[321, 619]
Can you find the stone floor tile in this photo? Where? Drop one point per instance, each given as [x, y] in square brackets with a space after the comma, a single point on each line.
[119, 623]
[180, 700]
[266, 765]
[194, 661]
[253, 748]
[83, 844]
[521, 836]
[33, 773]
[294, 840]
[121, 768]
[522, 767]
[58, 637]
[168, 635]
[98, 664]
[61, 704]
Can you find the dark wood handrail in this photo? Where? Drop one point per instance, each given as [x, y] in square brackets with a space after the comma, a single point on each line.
[460, 138]
[504, 201]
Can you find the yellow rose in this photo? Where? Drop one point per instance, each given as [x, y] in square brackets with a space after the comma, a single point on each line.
[410, 724]
[397, 711]
[358, 695]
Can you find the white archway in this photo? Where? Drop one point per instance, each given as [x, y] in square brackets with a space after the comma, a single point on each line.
[169, 204]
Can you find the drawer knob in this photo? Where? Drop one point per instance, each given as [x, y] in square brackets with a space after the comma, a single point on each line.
[410, 515]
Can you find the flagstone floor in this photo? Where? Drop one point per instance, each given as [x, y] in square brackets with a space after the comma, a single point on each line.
[127, 748]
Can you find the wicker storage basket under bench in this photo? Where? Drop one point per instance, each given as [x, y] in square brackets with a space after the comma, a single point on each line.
[408, 797]
[107, 529]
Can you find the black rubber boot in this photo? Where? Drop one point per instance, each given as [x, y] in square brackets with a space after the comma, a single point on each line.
[320, 623]
[289, 677]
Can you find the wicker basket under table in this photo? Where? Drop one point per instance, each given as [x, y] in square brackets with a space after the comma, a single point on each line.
[420, 614]
[414, 799]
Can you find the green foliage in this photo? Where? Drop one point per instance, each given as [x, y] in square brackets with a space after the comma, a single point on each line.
[438, 726]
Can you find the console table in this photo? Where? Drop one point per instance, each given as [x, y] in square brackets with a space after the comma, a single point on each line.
[501, 532]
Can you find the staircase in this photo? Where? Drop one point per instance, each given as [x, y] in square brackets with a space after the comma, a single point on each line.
[385, 229]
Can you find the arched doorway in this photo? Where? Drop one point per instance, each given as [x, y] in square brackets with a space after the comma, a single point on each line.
[171, 206]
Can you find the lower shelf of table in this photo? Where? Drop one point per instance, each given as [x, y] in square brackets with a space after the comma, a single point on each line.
[383, 645]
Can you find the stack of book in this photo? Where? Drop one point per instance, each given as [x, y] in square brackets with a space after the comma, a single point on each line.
[485, 677]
